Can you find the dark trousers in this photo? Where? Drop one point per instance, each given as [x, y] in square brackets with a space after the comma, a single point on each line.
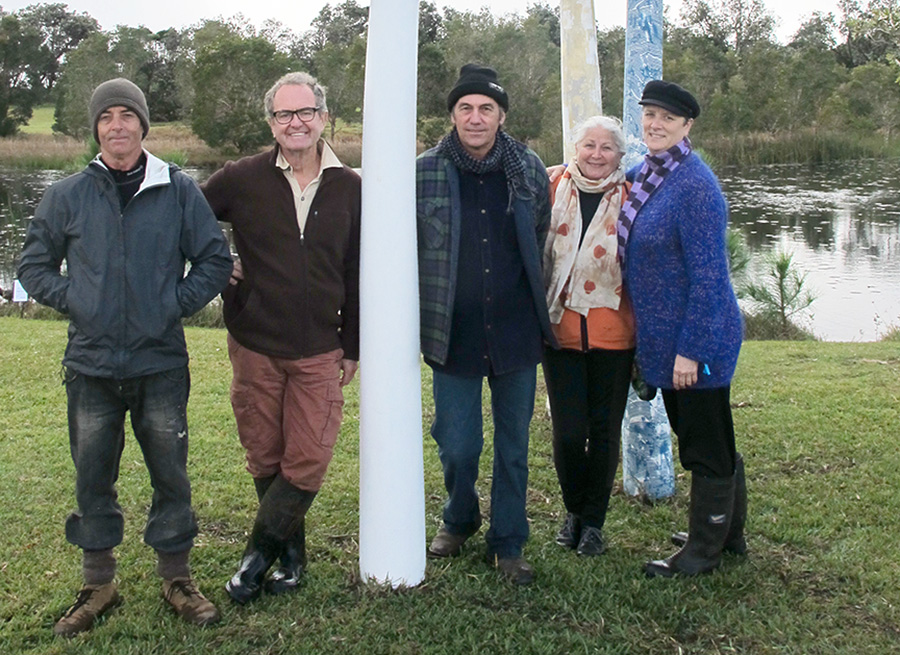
[588, 392]
[701, 419]
[97, 409]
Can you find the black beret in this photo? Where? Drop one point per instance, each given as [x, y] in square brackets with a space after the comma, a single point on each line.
[474, 78]
[669, 95]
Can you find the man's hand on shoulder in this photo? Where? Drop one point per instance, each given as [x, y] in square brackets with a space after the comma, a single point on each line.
[555, 172]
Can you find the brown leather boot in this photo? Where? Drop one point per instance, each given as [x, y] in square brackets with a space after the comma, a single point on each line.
[90, 604]
[187, 601]
[446, 544]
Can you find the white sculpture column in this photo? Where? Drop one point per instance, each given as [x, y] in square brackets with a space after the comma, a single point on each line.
[391, 475]
[580, 69]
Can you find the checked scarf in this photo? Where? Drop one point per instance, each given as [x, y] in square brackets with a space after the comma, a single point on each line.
[654, 171]
[505, 156]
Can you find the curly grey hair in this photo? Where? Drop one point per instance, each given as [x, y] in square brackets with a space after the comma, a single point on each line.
[609, 123]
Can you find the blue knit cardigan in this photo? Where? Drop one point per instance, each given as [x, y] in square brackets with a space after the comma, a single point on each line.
[676, 273]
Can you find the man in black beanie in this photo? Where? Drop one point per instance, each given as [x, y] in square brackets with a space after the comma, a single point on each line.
[483, 212]
[125, 226]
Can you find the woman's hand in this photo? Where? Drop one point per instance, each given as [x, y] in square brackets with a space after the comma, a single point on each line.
[555, 172]
[237, 273]
[685, 372]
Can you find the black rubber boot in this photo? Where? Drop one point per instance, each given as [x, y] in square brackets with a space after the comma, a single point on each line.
[280, 513]
[262, 486]
[261, 552]
[293, 564]
[712, 500]
[735, 542]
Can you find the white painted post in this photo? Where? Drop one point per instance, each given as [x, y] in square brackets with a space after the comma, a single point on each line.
[580, 69]
[391, 479]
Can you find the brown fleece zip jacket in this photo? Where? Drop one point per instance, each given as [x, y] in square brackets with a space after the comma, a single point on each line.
[300, 292]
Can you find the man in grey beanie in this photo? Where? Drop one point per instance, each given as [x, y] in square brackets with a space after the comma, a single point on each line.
[126, 226]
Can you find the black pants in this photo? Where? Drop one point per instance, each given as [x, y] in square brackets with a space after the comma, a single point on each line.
[588, 392]
[701, 419]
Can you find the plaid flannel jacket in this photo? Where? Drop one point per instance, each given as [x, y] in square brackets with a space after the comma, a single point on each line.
[438, 223]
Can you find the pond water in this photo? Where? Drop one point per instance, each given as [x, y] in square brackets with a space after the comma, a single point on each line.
[841, 221]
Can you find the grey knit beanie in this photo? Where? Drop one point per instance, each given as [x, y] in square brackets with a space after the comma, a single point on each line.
[119, 93]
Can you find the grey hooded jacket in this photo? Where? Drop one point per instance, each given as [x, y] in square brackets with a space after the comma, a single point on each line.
[124, 286]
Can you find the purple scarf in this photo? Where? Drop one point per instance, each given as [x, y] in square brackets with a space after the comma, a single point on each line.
[653, 173]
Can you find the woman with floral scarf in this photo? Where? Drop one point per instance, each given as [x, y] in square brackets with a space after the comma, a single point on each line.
[588, 377]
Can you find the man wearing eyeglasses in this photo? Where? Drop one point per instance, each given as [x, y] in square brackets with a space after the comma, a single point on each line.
[292, 313]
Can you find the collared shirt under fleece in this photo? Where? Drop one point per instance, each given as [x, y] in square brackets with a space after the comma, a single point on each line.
[303, 197]
[299, 296]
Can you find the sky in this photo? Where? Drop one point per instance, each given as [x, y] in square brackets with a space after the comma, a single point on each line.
[161, 14]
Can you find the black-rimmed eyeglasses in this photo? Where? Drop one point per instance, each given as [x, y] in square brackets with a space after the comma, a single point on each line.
[285, 116]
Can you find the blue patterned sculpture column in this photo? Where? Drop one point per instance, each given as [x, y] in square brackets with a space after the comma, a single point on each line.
[647, 468]
[643, 62]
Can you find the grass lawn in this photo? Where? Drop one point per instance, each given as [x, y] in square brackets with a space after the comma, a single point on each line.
[41, 122]
[817, 423]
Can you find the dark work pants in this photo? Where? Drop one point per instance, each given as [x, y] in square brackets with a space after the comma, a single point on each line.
[588, 392]
[701, 419]
[97, 408]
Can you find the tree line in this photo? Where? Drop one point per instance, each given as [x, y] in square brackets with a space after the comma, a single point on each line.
[838, 73]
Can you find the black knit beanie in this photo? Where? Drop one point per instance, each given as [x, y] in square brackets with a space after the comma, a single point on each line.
[118, 93]
[474, 78]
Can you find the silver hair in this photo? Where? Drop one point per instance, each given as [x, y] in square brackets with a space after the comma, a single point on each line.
[298, 79]
[609, 123]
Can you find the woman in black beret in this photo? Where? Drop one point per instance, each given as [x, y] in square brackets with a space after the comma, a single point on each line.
[671, 235]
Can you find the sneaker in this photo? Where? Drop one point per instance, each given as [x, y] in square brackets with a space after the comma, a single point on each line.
[446, 544]
[92, 601]
[184, 597]
[514, 569]
[570, 532]
[591, 543]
